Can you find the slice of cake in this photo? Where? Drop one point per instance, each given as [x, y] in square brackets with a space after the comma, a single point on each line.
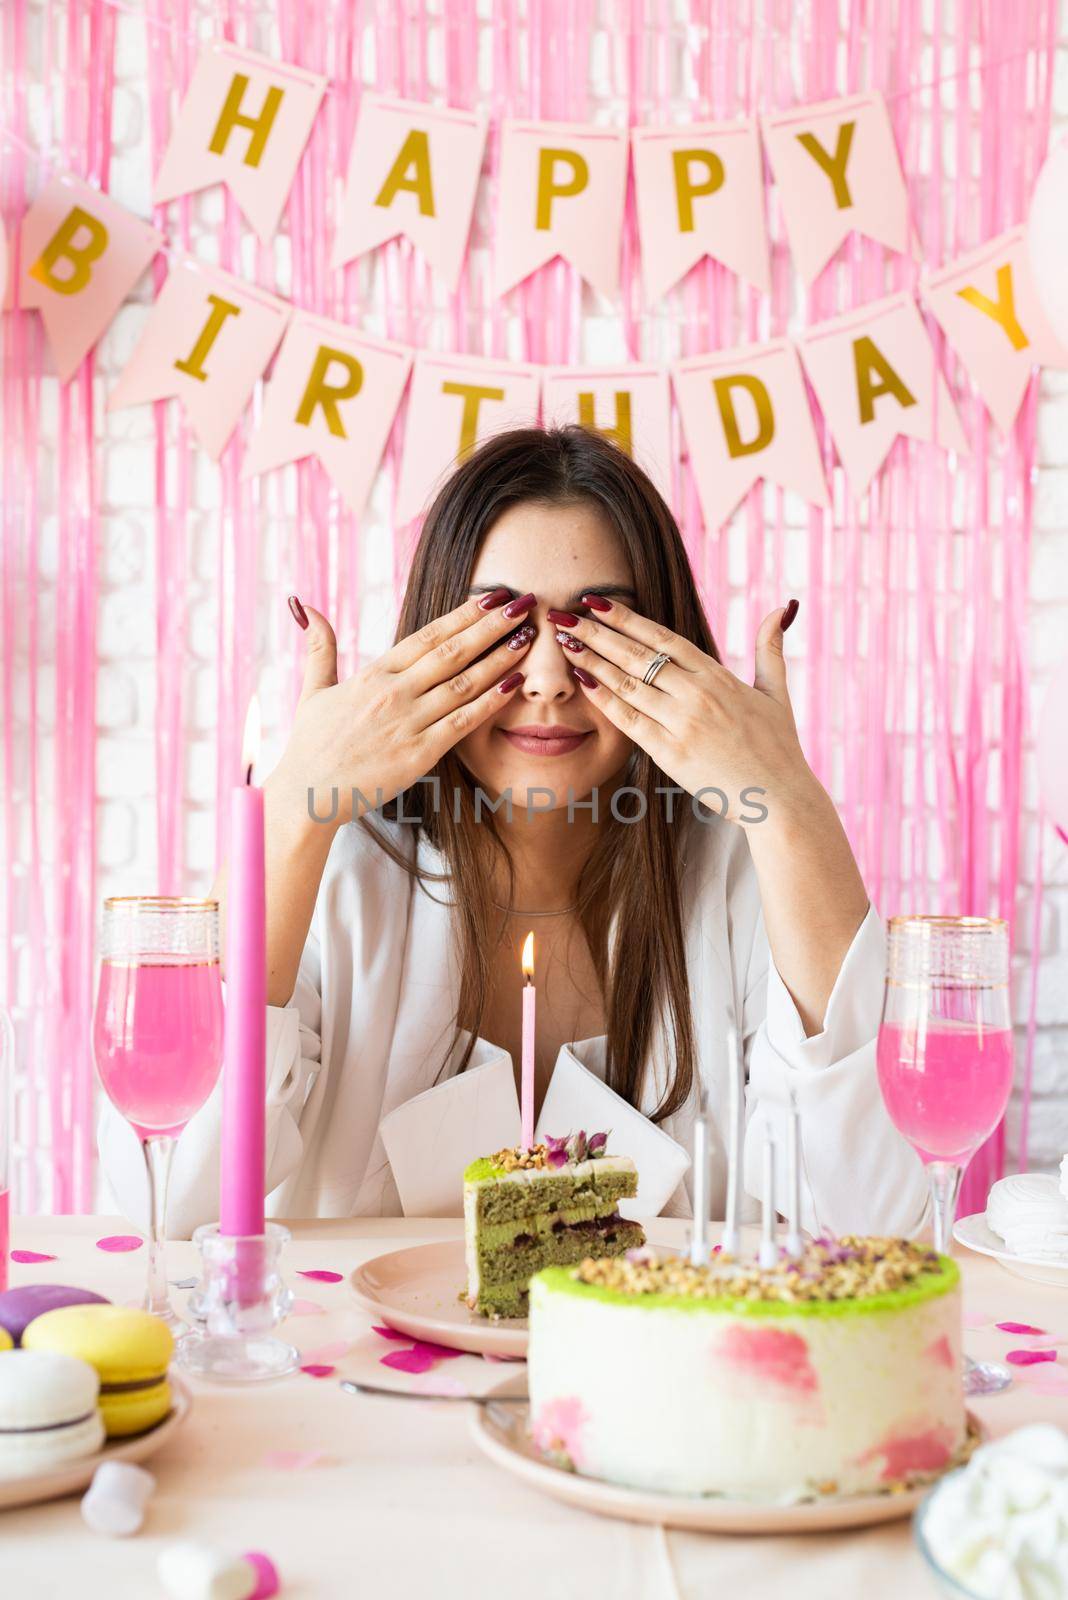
[546, 1207]
[838, 1373]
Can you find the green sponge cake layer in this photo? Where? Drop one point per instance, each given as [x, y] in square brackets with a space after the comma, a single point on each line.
[522, 1213]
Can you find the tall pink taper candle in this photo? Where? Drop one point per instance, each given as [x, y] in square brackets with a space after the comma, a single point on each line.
[526, 1096]
[241, 1179]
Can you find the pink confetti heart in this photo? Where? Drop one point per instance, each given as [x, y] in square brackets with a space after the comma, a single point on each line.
[293, 1460]
[1020, 1327]
[388, 1333]
[438, 1352]
[117, 1243]
[320, 1275]
[439, 1383]
[30, 1258]
[316, 1369]
[306, 1308]
[412, 1360]
[1030, 1358]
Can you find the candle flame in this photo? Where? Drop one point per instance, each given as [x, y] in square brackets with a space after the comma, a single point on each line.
[250, 743]
[528, 957]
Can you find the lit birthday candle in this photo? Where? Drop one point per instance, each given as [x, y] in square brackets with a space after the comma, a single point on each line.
[702, 1178]
[526, 1096]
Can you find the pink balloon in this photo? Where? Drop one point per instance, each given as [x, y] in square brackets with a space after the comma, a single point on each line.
[1047, 238]
[1051, 748]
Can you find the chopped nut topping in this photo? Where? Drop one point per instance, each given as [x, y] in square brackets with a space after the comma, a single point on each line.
[847, 1268]
[515, 1158]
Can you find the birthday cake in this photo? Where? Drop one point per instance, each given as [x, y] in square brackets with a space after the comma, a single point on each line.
[838, 1372]
[552, 1205]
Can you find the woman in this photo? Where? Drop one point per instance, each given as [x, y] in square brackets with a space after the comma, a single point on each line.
[666, 839]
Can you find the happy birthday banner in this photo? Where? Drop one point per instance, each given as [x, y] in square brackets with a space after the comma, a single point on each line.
[414, 169]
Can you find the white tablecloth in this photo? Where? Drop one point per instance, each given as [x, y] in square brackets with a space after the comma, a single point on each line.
[400, 1503]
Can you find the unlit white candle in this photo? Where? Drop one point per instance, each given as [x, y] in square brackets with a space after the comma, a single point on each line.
[769, 1253]
[735, 1141]
[794, 1242]
[702, 1176]
[526, 1078]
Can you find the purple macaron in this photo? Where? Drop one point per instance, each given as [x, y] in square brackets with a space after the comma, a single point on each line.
[18, 1307]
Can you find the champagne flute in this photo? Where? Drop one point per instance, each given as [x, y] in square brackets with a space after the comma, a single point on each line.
[157, 1037]
[945, 1056]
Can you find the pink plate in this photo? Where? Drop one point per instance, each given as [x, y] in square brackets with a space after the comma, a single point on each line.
[417, 1291]
[501, 1433]
[73, 1476]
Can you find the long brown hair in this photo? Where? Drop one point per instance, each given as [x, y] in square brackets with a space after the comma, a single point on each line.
[634, 869]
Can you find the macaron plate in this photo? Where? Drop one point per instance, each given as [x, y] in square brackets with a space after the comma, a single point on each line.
[77, 1475]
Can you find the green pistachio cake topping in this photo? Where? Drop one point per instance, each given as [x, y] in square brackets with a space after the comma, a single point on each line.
[849, 1268]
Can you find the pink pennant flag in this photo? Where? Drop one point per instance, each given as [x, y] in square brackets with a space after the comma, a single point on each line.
[837, 168]
[875, 376]
[562, 186]
[413, 169]
[631, 405]
[455, 403]
[333, 394]
[207, 340]
[987, 306]
[79, 256]
[700, 192]
[746, 416]
[244, 121]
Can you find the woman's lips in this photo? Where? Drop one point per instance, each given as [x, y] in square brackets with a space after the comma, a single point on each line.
[535, 740]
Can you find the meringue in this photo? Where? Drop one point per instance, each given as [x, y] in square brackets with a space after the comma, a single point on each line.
[999, 1526]
[1029, 1211]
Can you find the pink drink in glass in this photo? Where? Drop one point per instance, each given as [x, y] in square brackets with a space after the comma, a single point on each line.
[945, 1088]
[157, 1036]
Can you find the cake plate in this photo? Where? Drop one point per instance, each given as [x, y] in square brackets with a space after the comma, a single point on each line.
[974, 1234]
[418, 1292]
[73, 1476]
[500, 1431]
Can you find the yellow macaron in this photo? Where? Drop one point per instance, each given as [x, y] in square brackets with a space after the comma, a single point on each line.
[6, 1341]
[130, 1350]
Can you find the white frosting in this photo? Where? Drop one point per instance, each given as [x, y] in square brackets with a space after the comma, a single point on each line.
[1000, 1526]
[1029, 1211]
[769, 1406]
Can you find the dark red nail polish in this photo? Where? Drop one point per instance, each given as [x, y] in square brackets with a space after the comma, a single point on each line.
[596, 602]
[566, 619]
[587, 680]
[789, 613]
[516, 608]
[495, 598]
[299, 613]
[520, 637]
[506, 685]
[569, 642]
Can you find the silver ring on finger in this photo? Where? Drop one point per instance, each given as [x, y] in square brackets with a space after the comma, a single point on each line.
[658, 661]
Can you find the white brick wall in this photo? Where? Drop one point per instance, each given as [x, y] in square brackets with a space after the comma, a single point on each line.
[126, 684]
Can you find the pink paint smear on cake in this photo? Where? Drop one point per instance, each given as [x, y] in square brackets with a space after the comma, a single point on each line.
[772, 1355]
[906, 1453]
[558, 1427]
[940, 1351]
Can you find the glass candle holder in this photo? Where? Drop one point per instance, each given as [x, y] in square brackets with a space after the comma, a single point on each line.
[240, 1298]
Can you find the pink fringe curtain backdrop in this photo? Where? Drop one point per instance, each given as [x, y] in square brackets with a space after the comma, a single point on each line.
[909, 661]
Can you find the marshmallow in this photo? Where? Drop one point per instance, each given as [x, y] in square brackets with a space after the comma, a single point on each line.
[115, 1501]
[193, 1571]
[1030, 1213]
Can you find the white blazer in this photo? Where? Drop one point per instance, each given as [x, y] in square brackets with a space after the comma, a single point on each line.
[372, 1014]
